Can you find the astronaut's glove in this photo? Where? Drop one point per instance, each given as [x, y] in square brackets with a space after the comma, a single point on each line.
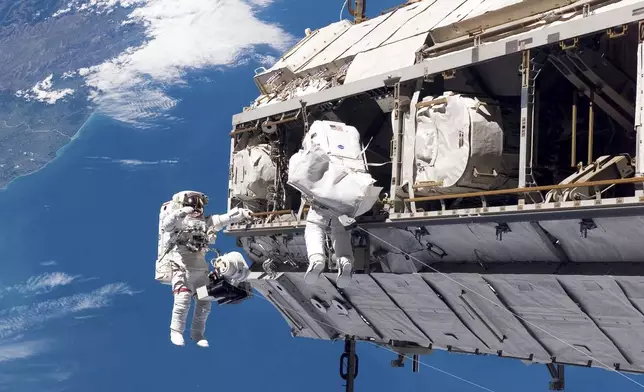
[183, 212]
[212, 236]
[239, 214]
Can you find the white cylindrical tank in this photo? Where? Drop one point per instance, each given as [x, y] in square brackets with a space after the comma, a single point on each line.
[253, 171]
[459, 145]
[232, 266]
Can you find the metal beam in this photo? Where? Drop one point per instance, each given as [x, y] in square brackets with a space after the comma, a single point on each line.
[565, 66]
[547, 35]
[639, 111]
[349, 364]
[556, 371]
[529, 72]
[508, 214]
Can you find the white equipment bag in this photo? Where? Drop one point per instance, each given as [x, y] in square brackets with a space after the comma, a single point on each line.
[459, 144]
[252, 173]
[331, 171]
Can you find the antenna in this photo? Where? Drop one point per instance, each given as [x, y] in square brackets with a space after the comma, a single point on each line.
[358, 10]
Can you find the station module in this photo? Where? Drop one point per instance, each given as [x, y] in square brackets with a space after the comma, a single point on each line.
[507, 137]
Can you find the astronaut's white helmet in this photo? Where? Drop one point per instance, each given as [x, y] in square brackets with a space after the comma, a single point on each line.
[194, 199]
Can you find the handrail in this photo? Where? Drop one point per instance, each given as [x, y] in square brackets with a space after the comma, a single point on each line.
[632, 180]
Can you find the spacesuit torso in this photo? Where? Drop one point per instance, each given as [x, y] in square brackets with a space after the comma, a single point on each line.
[192, 240]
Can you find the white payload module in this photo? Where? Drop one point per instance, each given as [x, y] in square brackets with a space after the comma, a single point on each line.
[505, 140]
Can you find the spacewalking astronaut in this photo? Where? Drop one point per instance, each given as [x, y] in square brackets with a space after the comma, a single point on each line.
[331, 173]
[184, 236]
[318, 222]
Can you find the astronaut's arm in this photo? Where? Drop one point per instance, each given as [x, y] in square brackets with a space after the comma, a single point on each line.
[219, 222]
[172, 219]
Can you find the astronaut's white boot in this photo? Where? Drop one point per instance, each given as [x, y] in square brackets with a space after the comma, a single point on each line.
[344, 272]
[316, 266]
[177, 338]
[203, 343]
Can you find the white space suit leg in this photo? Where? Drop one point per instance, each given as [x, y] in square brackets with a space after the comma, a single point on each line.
[202, 310]
[181, 306]
[343, 250]
[314, 237]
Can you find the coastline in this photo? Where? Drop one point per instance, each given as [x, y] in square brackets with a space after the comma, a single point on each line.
[59, 153]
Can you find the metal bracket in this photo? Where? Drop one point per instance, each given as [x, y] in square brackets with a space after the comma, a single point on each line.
[477, 173]
[398, 362]
[305, 117]
[617, 32]
[501, 229]
[585, 225]
[565, 45]
[558, 382]
[477, 41]
[450, 74]
[586, 10]
[349, 364]
[270, 268]
[347, 222]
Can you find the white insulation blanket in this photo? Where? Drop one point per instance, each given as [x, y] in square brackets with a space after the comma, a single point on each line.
[456, 138]
[253, 172]
[330, 169]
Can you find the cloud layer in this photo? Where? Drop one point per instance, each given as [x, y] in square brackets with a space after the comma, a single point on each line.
[21, 350]
[18, 321]
[43, 92]
[137, 162]
[180, 36]
[21, 318]
[40, 284]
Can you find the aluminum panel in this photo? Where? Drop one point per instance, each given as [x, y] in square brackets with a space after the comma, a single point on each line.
[522, 243]
[394, 261]
[490, 5]
[461, 12]
[381, 312]
[385, 59]
[387, 28]
[301, 323]
[426, 20]
[412, 294]
[604, 301]
[320, 39]
[335, 51]
[610, 241]
[487, 317]
[553, 318]
[633, 288]
[324, 293]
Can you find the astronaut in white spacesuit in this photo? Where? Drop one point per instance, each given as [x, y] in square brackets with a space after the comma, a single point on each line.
[185, 234]
[331, 173]
[318, 222]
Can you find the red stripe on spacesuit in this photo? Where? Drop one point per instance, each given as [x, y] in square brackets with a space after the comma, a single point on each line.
[181, 290]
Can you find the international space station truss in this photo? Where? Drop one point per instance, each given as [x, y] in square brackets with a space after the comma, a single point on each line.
[508, 136]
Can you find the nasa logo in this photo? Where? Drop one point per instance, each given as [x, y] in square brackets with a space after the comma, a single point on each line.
[340, 146]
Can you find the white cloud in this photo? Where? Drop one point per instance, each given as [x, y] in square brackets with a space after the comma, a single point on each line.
[137, 162]
[43, 92]
[40, 284]
[48, 263]
[181, 36]
[21, 350]
[20, 318]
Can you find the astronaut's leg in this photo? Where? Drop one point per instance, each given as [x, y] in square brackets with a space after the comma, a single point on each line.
[182, 297]
[314, 237]
[343, 251]
[202, 309]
